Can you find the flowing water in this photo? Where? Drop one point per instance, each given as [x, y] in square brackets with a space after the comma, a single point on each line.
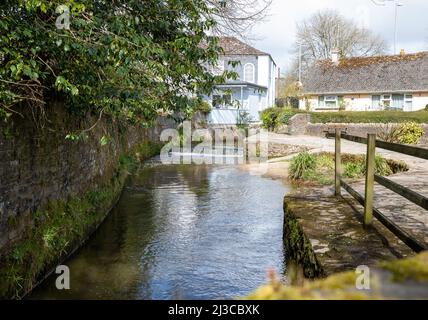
[181, 232]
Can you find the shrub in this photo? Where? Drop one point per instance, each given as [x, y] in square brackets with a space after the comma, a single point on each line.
[353, 169]
[388, 132]
[243, 120]
[319, 168]
[410, 133]
[269, 117]
[205, 107]
[302, 164]
[426, 107]
[382, 167]
[369, 117]
[285, 116]
[407, 133]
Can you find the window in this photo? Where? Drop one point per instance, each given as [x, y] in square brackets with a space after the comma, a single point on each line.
[222, 100]
[386, 100]
[398, 101]
[321, 102]
[227, 99]
[330, 101]
[249, 71]
[376, 102]
[219, 68]
[408, 101]
[217, 101]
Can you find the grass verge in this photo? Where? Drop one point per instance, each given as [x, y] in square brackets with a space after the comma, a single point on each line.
[318, 169]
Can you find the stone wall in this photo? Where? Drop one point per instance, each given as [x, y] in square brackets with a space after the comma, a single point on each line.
[356, 129]
[300, 124]
[39, 165]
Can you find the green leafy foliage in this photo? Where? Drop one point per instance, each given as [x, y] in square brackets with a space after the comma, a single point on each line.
[269, 117]
[274, 117]
[302, 164]
[369, 117]
[319, 168]
[410, 133]
[130, 59]
[406, 133]
[204, 107]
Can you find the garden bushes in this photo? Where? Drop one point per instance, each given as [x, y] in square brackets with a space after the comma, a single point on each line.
[274, 117]
[319, 168]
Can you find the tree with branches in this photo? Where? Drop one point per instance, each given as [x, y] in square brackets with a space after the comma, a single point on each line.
[127, 59]
[237, 17]
[328, 30]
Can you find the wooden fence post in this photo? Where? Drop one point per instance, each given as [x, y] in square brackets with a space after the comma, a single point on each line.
[370, 177]
[338, 164]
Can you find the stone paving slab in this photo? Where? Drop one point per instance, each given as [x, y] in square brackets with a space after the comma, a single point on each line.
[336, 233]
[404, 213]
[401, 211]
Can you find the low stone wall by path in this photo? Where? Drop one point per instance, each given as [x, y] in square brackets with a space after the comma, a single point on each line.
[355, 129]
[325, 235]
[300, 124]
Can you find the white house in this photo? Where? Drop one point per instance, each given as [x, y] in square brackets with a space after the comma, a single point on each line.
[397, 82]
[251, 93]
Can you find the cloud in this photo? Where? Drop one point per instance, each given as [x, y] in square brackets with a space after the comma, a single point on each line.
[276, 34]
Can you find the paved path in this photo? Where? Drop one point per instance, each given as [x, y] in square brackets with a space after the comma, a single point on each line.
[407, 215]
[318, 144]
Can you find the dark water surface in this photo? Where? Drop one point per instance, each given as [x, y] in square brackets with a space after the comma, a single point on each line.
[181, 232]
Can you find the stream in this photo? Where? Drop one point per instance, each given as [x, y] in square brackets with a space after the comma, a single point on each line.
[181, 232]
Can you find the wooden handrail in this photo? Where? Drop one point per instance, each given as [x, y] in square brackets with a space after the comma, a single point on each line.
[371, 177]
[413, 151]
[404, 236]
[410, 195]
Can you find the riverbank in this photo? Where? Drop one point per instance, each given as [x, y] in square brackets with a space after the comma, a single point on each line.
[399, 279]
[61, 227]
[324, 234]
[55, 191]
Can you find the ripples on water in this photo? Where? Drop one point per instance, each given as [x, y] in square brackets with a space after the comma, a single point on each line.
[182, 232]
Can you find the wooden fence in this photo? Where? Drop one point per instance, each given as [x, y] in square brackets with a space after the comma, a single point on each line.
[372, 177]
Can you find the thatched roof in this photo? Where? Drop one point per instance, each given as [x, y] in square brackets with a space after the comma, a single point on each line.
[383, 74]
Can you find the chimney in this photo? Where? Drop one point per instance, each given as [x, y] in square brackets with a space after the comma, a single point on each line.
[279, 73]
[402, 52]
[335, 57]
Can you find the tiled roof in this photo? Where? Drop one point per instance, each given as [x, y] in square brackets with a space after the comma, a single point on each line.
[233, 46]
[407, 72]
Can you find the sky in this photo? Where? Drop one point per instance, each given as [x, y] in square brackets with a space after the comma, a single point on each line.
[276, 34]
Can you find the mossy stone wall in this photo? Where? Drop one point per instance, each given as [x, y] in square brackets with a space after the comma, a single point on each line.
[50, 185]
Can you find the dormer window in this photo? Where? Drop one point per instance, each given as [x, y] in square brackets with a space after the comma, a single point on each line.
[249, 72]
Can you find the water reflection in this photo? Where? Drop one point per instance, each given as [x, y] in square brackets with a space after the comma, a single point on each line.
[182, 231]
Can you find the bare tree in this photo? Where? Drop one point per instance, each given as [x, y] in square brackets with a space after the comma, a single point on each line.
[327, 30]
[238, 17]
